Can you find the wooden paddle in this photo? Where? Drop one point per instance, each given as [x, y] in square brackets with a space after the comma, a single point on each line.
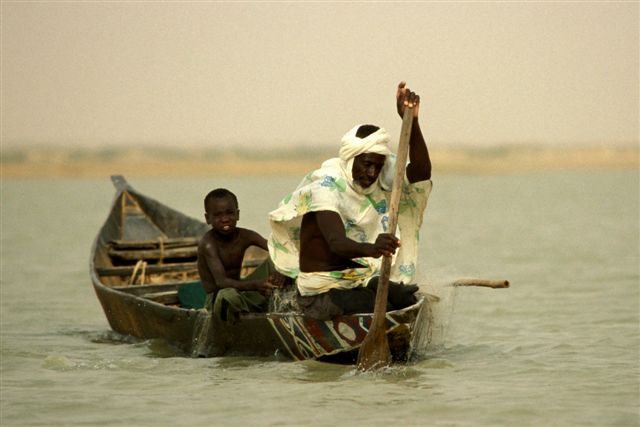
[374, 352]
[486, 283]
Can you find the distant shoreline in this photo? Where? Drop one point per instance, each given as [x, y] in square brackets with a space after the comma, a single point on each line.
[138, 161]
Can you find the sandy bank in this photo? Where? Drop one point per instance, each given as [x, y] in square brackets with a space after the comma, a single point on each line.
[46, 162]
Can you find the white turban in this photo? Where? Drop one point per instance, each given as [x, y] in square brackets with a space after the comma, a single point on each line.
[352, 146]
[378, 143]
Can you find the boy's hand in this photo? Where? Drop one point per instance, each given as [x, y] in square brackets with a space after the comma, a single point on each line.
[266, 288]
[277, 279]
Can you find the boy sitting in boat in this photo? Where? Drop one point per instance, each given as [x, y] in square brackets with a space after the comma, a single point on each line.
[330, 233]
[220, 254]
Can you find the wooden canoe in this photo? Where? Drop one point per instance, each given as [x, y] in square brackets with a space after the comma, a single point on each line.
[145, 253]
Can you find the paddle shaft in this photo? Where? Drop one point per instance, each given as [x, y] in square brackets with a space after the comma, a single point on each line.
[374, 351]
[486, 283]
[394, 205]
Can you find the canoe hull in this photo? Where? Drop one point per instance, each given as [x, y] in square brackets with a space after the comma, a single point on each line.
[139, 317]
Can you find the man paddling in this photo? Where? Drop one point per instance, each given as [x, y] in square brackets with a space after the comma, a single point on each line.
[331, 231]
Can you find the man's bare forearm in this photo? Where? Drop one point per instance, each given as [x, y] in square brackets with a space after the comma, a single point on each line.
[385, 244]
[348, 248]
[419, 168]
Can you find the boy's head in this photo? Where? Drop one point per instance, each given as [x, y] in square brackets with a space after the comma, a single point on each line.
[221, 210]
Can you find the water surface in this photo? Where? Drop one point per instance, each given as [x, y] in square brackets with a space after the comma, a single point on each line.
[560, 347]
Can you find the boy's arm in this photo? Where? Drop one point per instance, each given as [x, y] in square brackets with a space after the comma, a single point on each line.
[257, 240]
[275, 279]
[209, 251]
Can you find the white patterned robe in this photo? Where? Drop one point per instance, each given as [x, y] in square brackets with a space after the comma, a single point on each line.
[364, 216]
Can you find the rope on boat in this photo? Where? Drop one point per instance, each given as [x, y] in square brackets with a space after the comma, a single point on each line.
[141, 264]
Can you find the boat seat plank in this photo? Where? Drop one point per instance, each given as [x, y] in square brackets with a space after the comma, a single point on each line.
[166, 297]
[145, 289]
[150, 269]
[171, 242]
[153, 254]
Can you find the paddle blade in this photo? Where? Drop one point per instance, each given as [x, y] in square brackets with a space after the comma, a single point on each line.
[374, 352]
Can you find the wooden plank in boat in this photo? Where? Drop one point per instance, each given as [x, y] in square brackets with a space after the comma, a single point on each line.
[174, 242]
[133, 255]
[149, 269]
[165, 297]
[138, 290]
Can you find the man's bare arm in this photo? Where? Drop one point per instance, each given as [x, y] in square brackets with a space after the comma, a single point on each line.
[332, 229]
[419, 167]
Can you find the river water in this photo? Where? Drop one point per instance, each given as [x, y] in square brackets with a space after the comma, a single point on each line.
[559, 348]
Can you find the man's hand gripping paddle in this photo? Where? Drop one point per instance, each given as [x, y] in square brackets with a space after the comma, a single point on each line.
[374, 352]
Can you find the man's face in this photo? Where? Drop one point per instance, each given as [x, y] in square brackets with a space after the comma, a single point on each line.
[222, 215]
[366, 168]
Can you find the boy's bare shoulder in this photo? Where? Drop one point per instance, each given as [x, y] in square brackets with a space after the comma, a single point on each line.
[207, 240]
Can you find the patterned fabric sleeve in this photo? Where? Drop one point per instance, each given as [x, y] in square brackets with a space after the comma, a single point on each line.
[413, 202]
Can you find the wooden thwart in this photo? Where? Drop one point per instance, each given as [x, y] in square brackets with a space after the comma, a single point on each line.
[152, 254]
[150, 269]
[173, 242]
[156, 249]
[166, 297]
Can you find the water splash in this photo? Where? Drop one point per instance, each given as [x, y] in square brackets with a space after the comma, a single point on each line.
[435, 319]
[112, 337]
[58, 362]
[284, 300]
[200, 337]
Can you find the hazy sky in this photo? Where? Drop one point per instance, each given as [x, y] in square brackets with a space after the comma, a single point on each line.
[214, 73]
